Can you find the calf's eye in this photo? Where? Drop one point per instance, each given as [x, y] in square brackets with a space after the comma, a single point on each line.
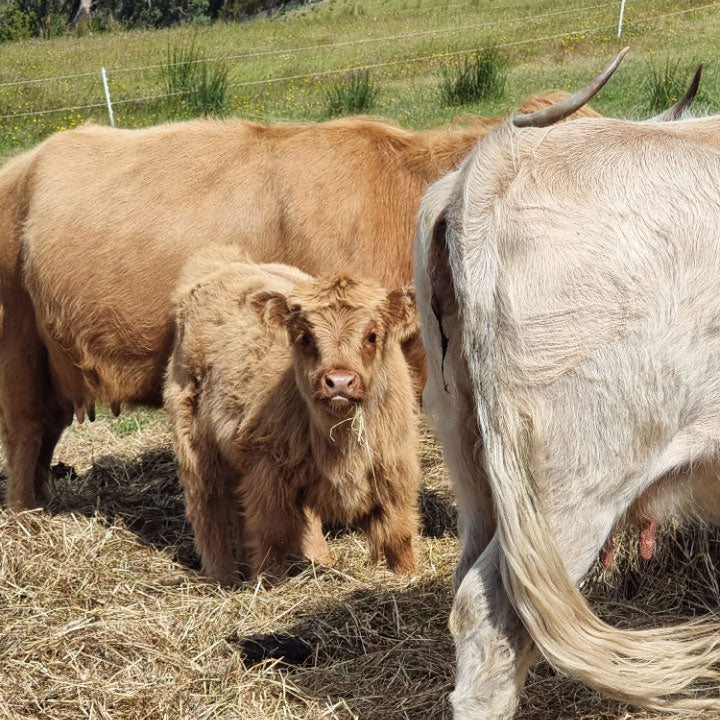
[372, 338]
[306, 339]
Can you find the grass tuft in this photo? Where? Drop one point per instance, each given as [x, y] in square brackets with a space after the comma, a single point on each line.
[202, 87]
[482, 76]
[354, 94]
[132, 423]
[664, 86]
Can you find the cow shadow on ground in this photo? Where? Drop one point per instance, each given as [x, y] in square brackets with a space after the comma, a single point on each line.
[143, 494]
[387, 653]
[378, 652]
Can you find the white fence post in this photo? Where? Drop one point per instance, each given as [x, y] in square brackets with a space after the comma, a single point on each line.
[622, 10]
[107, 96]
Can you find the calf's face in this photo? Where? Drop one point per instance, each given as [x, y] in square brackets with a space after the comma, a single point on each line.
[340, 331]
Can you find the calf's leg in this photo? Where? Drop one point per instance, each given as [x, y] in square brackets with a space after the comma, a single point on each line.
[210, 503]
[275, 521]
[210, 508]
[391, 530]
[313, 545]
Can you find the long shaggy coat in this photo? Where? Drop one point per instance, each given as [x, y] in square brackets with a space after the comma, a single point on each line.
[290, 399]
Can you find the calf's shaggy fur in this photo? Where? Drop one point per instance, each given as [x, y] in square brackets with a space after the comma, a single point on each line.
[289, 398]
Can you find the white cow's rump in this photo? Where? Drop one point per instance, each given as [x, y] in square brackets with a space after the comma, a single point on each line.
[567, 281]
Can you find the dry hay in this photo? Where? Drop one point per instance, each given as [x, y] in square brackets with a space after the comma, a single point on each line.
[103, 613]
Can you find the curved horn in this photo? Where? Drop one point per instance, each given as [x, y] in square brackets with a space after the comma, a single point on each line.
[677, 110]
[561, 110]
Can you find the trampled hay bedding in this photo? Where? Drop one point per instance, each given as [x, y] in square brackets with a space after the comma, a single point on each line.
[103, 613]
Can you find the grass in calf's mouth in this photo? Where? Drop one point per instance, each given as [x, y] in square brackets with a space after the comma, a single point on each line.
[357, 427]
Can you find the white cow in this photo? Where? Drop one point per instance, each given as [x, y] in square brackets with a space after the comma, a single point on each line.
[568, 281]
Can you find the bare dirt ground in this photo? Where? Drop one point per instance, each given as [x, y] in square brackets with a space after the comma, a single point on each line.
[103, 613]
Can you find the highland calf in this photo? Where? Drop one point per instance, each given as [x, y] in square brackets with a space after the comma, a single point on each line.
[289, 397]
[567, 281]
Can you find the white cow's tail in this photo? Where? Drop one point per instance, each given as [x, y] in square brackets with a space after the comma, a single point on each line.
[656, 668]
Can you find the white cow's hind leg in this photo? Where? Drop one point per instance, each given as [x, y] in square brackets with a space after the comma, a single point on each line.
[493, 649]
[476, 520]
[451, 412]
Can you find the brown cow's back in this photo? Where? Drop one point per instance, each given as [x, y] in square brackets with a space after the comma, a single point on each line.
[113, 214]
[103, 255]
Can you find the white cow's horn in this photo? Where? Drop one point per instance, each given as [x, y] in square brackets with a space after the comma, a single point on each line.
[561, 110]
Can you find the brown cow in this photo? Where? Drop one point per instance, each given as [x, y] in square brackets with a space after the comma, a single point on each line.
[96, 224]
[289, 394]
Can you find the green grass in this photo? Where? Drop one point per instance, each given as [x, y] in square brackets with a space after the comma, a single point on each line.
[131, 421]
[666, 83]
[408, 41]
[192, 82]
[481, 76]
[352, 95]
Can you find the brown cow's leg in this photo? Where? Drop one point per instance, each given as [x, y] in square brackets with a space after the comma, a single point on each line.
[32, 420]
[21, 450]
[55, 425]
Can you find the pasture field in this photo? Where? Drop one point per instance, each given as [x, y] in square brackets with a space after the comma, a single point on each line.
[103, 613]
[405, 43]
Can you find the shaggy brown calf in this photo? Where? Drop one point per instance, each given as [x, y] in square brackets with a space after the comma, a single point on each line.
[290, 397]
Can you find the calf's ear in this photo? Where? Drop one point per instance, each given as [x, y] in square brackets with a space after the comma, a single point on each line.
[402, 314]
[271, 307]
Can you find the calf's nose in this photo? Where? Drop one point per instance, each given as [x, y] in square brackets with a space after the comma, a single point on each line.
[340, 382]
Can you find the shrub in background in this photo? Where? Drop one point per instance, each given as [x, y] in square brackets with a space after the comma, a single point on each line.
[243, 9]
[14, 23]
[33, 18]
[356, 93]
[482, 76]
[158, 13]
[201, 87]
